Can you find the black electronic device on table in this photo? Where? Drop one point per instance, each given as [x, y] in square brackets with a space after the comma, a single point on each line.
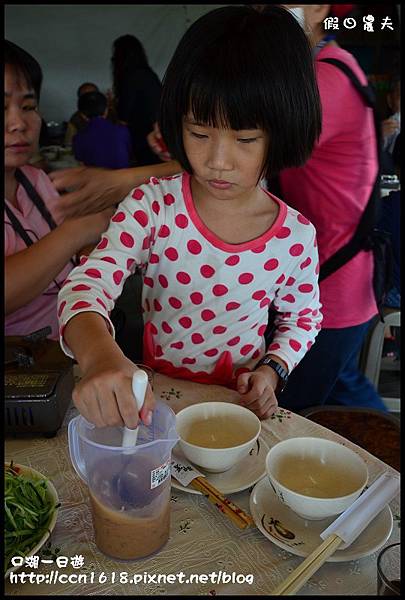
[38, 384]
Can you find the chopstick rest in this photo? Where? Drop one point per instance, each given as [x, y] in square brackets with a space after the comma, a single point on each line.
[345, 529]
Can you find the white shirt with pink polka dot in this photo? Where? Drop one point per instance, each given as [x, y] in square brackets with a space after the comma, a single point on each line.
[205, 302]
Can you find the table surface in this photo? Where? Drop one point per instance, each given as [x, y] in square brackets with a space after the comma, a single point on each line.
[201, 539]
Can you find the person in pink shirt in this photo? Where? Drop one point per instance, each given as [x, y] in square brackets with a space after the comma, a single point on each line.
[332, 190]
[38, 247]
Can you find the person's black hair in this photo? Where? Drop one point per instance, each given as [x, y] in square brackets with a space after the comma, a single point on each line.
[85, 84]
[92, 104]
[128, 55]
[238, 68]
[25, 65]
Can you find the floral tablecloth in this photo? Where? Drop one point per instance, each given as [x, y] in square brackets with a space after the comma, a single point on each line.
[202, 541]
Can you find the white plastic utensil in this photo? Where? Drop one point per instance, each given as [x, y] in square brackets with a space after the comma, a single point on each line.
[355, 519]
[139, 385]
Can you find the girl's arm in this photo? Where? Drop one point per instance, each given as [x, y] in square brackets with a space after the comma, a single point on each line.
[104, 395]
[96, 189]
[298, 319]
[297, 324]
[30, 271]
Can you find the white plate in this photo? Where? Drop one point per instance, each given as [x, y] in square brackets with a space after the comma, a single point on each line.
[300, 536]
[52, 494]
[240, 477]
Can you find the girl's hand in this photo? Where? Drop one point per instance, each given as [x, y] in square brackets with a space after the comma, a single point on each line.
[257, 391]
[104, 395]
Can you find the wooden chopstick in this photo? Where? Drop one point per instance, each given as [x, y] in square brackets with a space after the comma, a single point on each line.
[308, 567]
[228, 508]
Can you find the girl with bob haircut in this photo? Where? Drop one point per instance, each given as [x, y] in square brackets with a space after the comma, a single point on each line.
[237, 68]
[216, 249]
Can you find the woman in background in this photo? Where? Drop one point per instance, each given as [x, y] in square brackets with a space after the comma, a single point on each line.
[38, 246]
[136, 90]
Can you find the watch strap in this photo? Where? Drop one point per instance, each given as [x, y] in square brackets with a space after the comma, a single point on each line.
[279, 369]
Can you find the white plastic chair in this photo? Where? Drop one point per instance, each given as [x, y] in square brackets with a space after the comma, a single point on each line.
[371, 354]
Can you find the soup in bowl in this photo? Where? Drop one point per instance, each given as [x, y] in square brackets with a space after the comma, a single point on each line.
[217, 435]
[315, 477]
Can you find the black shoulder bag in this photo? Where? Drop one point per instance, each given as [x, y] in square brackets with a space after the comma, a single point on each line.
[366, 236]
[40, 205]
[117, 315]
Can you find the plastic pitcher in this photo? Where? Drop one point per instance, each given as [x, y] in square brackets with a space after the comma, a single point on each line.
[129, 487]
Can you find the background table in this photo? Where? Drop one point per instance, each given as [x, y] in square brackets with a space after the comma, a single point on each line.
[54, 157]
[201, 539]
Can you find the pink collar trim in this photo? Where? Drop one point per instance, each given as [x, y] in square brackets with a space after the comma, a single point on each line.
[216, 241]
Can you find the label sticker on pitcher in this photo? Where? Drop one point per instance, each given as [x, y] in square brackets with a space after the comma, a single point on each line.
[160, 474]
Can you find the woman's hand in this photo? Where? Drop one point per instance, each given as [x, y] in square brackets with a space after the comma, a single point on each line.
[88, 229]
[257, 391]
[94, 189]
[157, 144]
[104, 395]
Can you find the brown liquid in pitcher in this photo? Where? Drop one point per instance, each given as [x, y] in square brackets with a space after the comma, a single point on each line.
[130, 519]
[121, 535]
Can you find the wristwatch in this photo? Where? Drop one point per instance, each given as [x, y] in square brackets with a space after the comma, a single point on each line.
[281, 372]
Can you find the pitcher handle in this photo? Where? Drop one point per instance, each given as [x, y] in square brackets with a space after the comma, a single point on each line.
[74, 449]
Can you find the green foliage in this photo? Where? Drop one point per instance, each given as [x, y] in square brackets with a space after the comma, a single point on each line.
[28, 511]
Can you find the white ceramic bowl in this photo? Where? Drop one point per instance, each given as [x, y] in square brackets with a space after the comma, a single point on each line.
[217, 460]
[315, 477]
[52, 495]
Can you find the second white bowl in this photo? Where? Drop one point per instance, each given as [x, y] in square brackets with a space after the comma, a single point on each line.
[315, 477]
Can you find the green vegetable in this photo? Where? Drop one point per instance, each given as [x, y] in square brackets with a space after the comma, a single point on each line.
[28, 512]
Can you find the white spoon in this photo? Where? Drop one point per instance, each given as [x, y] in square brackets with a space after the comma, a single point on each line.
[139, 385]
[127, 481]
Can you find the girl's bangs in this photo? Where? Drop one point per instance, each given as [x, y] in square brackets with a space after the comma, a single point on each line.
[223, 104]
